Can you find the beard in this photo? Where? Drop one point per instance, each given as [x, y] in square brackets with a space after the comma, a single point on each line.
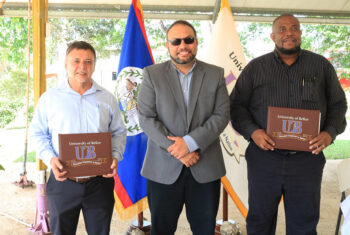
[288, 51]
[179, 61]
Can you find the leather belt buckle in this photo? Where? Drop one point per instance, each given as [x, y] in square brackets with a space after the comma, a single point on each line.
[81, 180]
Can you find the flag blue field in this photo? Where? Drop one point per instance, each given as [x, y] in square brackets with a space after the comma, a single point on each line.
[130, 186]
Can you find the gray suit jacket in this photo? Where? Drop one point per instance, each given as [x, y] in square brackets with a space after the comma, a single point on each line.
[162, 113]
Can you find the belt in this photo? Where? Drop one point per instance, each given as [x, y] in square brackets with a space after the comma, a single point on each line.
[81, 180]
[286, 152]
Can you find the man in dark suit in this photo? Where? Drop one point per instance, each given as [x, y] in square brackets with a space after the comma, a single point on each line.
[183, 107]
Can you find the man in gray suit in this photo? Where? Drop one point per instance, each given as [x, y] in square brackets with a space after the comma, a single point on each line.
[183, 107]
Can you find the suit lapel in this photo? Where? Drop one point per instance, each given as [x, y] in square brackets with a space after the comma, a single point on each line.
[176, 90]
[196, 83]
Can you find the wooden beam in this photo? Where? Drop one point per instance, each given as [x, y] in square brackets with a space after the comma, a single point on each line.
[39, 56]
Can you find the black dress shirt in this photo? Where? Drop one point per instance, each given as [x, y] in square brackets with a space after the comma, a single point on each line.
[309, 83]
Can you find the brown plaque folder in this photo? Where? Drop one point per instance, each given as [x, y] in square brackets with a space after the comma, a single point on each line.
[292, 129]
[86, 154]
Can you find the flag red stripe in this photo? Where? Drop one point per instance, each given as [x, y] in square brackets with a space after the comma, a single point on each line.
[121, 192]
[142, 26]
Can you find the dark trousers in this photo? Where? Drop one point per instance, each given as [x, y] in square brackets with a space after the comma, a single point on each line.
[95, 198]
[166, 203]
[295, 176]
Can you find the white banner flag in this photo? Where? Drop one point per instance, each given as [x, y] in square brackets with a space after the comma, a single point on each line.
[225, 50]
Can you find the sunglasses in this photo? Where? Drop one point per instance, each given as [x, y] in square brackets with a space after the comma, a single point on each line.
[177, 41]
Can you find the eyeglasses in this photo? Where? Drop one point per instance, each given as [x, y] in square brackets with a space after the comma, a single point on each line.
[177, 41]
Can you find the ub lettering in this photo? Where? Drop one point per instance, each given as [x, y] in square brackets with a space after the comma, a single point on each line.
[290, 126]
[85, 152]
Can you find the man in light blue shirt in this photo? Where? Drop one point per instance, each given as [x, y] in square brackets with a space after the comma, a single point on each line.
[78, 105]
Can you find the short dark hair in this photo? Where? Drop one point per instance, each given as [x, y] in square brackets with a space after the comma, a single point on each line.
[283, 15]
[80, 45]
[183, 22]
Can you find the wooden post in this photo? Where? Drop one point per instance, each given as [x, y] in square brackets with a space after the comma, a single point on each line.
[39, 55]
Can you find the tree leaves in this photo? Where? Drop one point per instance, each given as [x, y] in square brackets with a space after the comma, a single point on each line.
[331, 41]
[106, 35]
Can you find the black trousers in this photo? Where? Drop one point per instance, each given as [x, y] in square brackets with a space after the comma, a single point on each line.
[296, 176]
[95, 198]
[166, 203]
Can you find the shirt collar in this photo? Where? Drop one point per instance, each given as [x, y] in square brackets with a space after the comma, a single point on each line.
[278, 58]
[94, 88]
[190, 71]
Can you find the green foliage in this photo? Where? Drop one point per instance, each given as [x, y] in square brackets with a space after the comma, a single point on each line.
[1, 168]
[250, 32]
[106, 35]
[31, 157]
[14, 87]
[340, 149]
[30, 113]
[12, 96]
[331, 41]
[156, 32]
[8, 110]
[13, 43]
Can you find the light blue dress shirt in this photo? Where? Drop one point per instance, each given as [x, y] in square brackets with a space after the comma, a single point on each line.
[185, 81]
[62, 110]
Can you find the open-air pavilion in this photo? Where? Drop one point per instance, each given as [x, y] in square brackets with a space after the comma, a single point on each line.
[311, 11]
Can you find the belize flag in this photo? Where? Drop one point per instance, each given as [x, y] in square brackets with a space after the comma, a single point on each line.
[130, 186]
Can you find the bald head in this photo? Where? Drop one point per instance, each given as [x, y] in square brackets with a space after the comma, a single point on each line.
[286, 34]
[283, 15]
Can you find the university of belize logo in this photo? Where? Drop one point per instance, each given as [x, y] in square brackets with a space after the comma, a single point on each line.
[292, 129]
[127, 90]
[85, 154]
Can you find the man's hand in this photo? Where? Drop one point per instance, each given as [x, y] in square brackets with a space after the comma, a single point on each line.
[262, 140]
[189, 159]
[57, 168]
[320, 142]
[178, 149]
[114, 166]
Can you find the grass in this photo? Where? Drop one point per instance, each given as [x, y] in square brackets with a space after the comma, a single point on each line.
[31, 157]
[15, 128]
[340, 149]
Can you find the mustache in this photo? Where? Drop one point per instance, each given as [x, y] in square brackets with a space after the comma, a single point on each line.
[289, 38]
[184, 50]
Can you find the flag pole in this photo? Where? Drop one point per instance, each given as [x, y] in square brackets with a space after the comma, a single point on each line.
[224, 212]
[140, 220]
[140, 225]
[224, 204]
[226, 226]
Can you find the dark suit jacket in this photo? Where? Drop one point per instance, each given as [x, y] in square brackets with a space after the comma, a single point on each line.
[162, 112]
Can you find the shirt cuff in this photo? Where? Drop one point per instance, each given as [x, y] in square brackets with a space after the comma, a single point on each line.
[331, 131]
[191, 143]
[117, 156]
[46, 157]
